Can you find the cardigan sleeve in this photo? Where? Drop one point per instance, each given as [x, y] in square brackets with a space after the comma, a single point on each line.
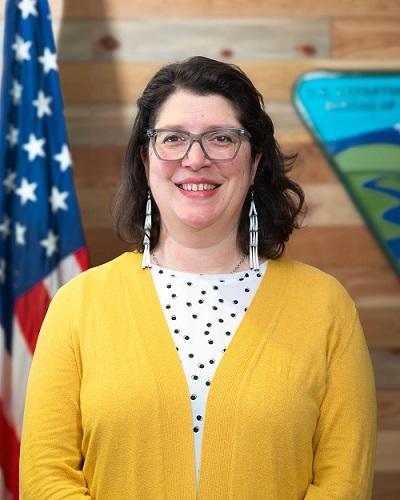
[345, 437]
[51, 458]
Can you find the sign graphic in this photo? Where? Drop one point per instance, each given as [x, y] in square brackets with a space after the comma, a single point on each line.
[355, 117]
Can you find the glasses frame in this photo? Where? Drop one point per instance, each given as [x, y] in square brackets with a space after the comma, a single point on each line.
[151, 133]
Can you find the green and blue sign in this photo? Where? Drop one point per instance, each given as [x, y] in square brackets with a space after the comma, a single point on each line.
[355, 117]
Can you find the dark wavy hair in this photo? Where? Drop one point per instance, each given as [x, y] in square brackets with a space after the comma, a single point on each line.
[279, 200]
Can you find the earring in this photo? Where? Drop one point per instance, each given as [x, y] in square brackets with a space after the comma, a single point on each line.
[146, 260]
[253, 230]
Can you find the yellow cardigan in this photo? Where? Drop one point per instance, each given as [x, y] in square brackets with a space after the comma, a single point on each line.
[291, 412]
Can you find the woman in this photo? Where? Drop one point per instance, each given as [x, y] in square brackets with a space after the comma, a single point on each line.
[151, 379]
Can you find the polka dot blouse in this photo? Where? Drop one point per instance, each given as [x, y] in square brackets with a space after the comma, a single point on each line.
[203, 313]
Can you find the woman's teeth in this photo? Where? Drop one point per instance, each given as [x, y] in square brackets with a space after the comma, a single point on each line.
[197, 187]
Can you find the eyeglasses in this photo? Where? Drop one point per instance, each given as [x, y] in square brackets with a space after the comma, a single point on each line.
[218, 144]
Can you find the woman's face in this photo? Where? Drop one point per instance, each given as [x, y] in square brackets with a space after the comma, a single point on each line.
[217, 204]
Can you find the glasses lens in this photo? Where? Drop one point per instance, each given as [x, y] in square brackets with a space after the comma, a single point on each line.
[221, 144]
[171, 144]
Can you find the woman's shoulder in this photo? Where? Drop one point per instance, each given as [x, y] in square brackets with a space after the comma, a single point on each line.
[311, 282]
[104, 277]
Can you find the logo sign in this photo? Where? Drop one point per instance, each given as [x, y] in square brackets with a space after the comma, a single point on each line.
[355, 118]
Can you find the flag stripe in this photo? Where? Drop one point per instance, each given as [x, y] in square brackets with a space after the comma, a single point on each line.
[4, 493]
[20, 365]
[30, 309]
[9, 453]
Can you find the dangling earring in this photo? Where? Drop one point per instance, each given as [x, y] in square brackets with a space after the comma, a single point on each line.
[253, 230]
[146, 260]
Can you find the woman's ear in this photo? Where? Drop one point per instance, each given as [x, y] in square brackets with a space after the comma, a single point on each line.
[254, 166]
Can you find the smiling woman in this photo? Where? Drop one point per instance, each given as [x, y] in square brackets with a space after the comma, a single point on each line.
[205, 364]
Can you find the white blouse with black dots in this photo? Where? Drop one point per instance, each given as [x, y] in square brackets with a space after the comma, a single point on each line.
[203, 313]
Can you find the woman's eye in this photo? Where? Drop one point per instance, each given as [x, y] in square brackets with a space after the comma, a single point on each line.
[171, 138]
[223, 139]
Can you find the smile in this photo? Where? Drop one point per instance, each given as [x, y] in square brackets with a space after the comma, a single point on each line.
[197, 187]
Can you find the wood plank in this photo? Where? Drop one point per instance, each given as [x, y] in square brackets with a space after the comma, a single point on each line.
[388, 452]
[388, 409]
[381, 324]
[241, 38]
[381, 283]
[97, 167]
[386, 486]
[386, 363]
[354, 38]
[101, 166]
[110, 124]
[103, 245]
[101, 9]
[119, 81]
[329, 205]
[329, 247]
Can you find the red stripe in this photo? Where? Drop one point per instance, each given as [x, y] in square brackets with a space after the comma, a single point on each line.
[9, 455]
[82, 256]
[30, 310]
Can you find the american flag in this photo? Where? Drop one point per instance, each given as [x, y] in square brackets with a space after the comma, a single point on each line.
[41, 240]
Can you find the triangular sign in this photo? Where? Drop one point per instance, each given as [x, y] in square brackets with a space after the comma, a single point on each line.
[355, 118]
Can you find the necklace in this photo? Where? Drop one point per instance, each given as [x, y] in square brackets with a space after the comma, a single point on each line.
[156, 261]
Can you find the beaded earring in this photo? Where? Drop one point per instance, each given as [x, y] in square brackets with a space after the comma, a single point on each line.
[253, 230]
[146, 260]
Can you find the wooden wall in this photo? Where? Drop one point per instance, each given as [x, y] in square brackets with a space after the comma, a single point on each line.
[108, 49]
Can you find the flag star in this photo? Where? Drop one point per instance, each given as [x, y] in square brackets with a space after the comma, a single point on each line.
[57, 199]
[12, 136]
[9, 181]
[26, 191]
[20, 231]
[21, 48]
[49, 60]
[2, 271]
[5, 227]
[50, 243]
[42, 103]
[34, 147]
[16, 92]
[28, 7]
[64, 157]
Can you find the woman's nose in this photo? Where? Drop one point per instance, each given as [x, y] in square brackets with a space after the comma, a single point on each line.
[195, 157]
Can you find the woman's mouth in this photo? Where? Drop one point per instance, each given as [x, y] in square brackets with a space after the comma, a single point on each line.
[197, 187]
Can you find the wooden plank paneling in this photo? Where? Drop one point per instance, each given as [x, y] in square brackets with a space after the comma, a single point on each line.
[119, 81]
[110, 124]
[103, 245]
[386, 486]
[97, 167]
[354, 38]
[366, 282]
[329, 247]
[387, 370]
[329, 205]
[100, 9]
[388, 452]
[388, 409]
[243, 38]
[381, 323]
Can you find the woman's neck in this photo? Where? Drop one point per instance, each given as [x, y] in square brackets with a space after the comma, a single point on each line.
[196, 255]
